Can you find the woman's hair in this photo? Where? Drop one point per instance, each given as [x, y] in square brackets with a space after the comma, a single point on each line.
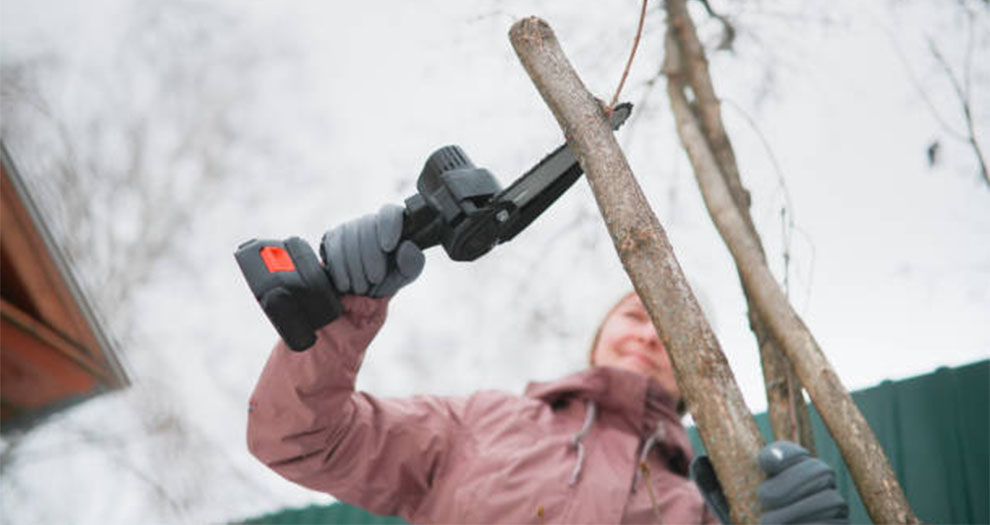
[601, 324]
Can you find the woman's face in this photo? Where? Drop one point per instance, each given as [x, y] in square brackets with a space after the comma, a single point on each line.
[628, 340]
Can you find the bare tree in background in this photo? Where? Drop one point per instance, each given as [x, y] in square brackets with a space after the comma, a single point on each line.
[125, 165]
[123, 159]
[958, 123]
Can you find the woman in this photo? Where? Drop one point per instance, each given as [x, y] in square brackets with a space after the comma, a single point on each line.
[604, 445]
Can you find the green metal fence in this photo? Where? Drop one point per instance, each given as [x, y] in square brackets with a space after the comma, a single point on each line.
[934, 428]
[336, 513]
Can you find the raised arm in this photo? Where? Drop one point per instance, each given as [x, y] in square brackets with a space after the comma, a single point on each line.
[306, 421]
[308, 424]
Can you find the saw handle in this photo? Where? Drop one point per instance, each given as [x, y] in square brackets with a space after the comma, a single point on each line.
[421, 224]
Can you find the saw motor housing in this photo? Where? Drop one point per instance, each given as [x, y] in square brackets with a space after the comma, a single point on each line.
[452, 206]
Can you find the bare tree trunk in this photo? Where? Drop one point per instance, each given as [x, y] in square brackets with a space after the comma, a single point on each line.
[877, 484]
[724, 423]
[789, 417]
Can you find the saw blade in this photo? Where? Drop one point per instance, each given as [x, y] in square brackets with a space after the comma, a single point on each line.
[539, 187]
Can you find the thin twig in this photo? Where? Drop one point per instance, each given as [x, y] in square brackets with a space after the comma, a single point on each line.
[639, 32]
[729, 34]
[785, 227]
[963, 95]
[968, 61]
[787, 211]
[946, 127]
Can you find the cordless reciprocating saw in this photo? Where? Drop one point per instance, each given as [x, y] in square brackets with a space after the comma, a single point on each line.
[457, 205]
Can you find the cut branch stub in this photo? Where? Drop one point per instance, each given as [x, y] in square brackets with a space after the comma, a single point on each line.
[724, 423]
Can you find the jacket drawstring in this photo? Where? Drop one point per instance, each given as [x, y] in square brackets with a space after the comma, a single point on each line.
[659, 433]
[589, 419]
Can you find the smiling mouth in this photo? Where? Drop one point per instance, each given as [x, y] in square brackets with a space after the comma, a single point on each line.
[641, 358]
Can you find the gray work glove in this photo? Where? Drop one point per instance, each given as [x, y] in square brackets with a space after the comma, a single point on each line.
[799, 488]
[364, 256]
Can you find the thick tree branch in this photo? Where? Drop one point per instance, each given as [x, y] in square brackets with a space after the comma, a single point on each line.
[881, 493]
[789, 415]
[695, 68]
[725, 424]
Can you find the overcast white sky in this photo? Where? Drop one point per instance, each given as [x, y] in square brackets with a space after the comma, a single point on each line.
[890, 257]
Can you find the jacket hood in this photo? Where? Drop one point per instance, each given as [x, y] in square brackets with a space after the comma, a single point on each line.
[635, 397]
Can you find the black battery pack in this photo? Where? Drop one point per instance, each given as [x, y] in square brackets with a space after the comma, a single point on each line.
[291, 286]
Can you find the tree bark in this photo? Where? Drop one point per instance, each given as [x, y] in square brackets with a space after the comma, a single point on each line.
[789, 416]
[724, 423]
[877, 484]
[786, 408]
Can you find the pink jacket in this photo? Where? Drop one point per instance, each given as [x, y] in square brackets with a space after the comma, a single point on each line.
[566, 452]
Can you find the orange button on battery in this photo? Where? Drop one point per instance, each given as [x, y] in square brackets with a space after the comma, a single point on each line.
[277, 259]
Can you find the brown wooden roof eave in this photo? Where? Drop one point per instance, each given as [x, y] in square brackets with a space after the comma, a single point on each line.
[53, 317]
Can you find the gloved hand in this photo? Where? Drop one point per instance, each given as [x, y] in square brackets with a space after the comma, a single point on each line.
[799, 488]
[364, 256]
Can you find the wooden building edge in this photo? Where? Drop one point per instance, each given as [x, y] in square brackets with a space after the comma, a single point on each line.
[54, 350]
